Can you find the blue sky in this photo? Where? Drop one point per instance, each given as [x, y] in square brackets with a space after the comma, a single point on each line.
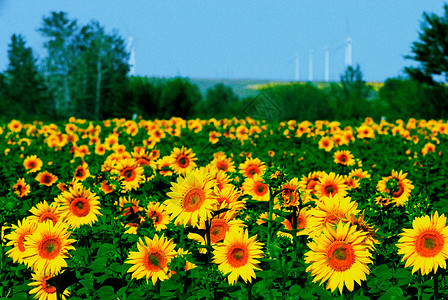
[240, 39]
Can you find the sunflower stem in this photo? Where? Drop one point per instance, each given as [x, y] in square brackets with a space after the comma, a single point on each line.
[249, 290]
[208, 241]
[271, 208]
[436, 285]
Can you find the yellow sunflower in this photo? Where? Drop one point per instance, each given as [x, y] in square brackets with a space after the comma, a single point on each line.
[223, 163]
[331, 185]
[47, 247]
[304, 224]
[17, 237]
[79, 206]
[46, 178]
[191, 198]
[32, 164]
[131, 174]
[344, 157]
[251, 167]
[82, 172]
[237, 255]
[326, 143]
[152, 258]
[21, 188]
[290, 195]
[158, 214]
[43, 212]
[308, 185]
[331, 210]
[164, 166]
[256, 188]
[425, 245]
[182, 160]
[339, 256]
[42, 289]
[396, 186]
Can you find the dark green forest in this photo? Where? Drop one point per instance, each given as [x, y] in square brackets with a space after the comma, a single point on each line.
[85, 74]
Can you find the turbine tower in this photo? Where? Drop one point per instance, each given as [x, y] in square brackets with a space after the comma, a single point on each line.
[131, 50]
[348, 52]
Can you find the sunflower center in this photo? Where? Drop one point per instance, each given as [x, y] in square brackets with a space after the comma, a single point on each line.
[252, 170]
[128, 174]
[238, 256]
[49, 248]
[46, 179]
[343, 158]
[218, 230]
[32, 165]
[330, 189]
[260, 189]
[193, 199]
[156, 217]
[429, 243]
[79, 173]
[48, 216]
[221, 165]
[183, 161]
[341, 257]
[80, 207]
[49, 289]
[400, 190]
[155, 261]
[310, 185]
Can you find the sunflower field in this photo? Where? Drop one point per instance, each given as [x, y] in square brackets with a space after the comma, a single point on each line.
[223, 209]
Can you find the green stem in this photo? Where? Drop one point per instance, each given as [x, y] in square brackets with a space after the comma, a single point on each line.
[208, 241]
[249, 290]
[436, 286]
[271, 208]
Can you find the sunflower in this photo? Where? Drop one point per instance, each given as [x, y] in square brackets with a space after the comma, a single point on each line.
[32, 164]
[326, 143]
[131, 174]
[308, 184]
[429, 147]
[158, 214]
[16, 238]
[106, 187]
[223, 163]
[344, 157]
[304, 224]
[425, 245]
[359, 174]
[152, 258]
[256, 188]
[79, 206]
[82, 172]
[21, 188]
[47, 247]
[182, 160]
[251, 167]
[191, 198]
[290, 195]
[330, 210]
[15, 126]
[396, 186]
[42, 289]
[339, 256]
[164, 166]
[43, 212]
[330, 185]
[237, 255]
[46, 178]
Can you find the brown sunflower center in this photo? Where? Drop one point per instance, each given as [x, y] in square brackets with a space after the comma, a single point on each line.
[48, 216]
[222, 165]
[429, 243]
[343, 158]
[46, 179]
[156, 217]
[218, 230]
[193, 199]
[260, 189]
[252, 170]
[330, 189]
[238, 256]
[49, 289]
[79, 173]
[32, 165]
[341, 256]
[156, 261]
[183, 161]
[128, 174]
[80, 207]
[49, 248]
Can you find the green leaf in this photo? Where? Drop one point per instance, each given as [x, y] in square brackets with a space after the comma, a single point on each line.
[383, 272]
[106, 293]
[99, 264]
[394, 293]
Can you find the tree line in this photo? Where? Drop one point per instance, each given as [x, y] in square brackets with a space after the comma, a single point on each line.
[85, 74]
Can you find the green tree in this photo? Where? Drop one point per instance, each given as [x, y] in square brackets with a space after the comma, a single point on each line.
[220, 101]
[179, 98]
[24, 90]
[146, 94]
[351, 97]
[431, 51]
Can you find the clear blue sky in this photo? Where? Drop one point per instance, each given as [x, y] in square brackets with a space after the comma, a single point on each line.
[239, 39]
